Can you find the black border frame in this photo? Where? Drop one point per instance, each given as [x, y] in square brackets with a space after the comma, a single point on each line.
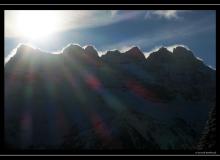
[6, 151]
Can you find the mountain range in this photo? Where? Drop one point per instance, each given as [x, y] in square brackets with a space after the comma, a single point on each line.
[79, 100]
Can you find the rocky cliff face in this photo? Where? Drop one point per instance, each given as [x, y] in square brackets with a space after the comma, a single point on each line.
[78, 100]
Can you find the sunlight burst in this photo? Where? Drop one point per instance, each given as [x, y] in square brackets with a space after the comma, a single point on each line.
[36, 24]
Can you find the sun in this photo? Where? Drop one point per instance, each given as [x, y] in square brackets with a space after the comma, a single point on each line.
[36, 25]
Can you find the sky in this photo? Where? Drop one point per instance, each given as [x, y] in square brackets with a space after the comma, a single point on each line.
[114, 29]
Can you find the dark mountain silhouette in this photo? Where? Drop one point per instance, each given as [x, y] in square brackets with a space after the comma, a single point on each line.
[78, 100]
[91, 52]
[208, 141]
[133, 55]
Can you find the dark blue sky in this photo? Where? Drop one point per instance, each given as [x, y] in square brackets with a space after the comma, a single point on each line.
[147, 29]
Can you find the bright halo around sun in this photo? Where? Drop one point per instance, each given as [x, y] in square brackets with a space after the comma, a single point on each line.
[35, 25]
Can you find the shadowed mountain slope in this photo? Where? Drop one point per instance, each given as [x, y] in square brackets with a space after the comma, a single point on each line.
[78, 100]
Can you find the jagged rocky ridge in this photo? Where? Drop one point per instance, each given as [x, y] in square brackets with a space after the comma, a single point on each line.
[78, 100]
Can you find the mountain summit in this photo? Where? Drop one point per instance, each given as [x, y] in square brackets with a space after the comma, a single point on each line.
[135, 52]
[73, 50]
[179, 58]
[91, 52]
